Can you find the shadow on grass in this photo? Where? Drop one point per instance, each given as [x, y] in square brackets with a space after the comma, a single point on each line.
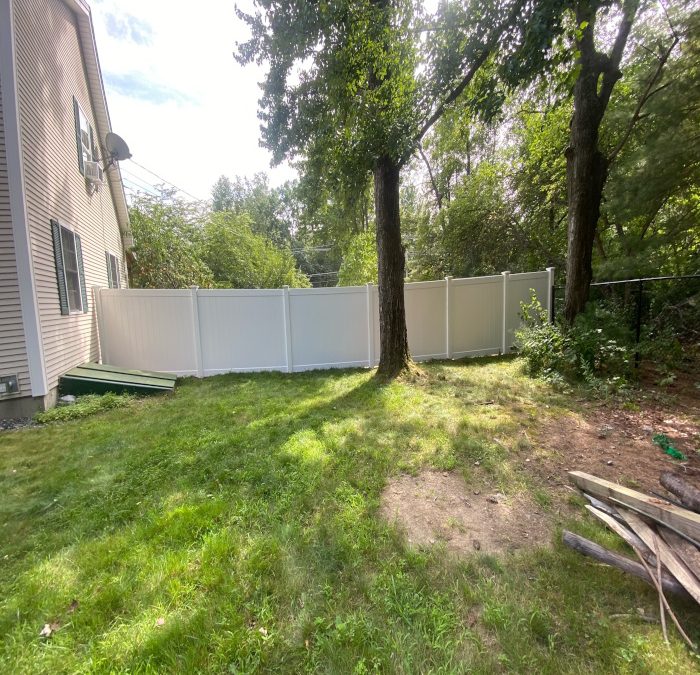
[242, 512]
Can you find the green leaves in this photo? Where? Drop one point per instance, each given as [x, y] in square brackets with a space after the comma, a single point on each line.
[180, 244]
[359, 265]
[239, 258]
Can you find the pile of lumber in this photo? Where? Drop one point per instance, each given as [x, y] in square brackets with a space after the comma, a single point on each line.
[663, 533]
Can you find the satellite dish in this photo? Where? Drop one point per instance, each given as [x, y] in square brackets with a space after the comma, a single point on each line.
[116, 147]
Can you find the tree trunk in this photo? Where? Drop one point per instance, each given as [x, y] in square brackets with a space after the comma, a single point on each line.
[586, 174]
[394, 355]
[586, 166]
[586, 171]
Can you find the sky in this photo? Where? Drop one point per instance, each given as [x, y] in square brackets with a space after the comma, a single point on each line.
[175, 93]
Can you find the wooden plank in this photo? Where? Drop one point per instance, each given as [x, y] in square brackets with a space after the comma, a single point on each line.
[118, 369]
[602, 506]
[630, 537]
[674, 565]
[688, 553]
[681, 520]
[621, 562]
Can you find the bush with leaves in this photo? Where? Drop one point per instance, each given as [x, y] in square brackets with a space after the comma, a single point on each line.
[541, 343]
[596, 349]
[84, 406]
[359, 264]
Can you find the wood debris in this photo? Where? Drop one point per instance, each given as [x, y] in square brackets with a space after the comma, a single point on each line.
[663, 536]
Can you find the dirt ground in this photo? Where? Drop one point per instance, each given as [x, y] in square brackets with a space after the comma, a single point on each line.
[437, 506]
[612, 440]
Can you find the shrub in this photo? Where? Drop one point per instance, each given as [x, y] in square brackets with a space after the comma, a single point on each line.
[542, 344]
[84, 406]
[595, 349]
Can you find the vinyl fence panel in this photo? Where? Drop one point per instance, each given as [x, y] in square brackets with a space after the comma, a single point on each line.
[205, 332]
[148, 330]
[329, 327]
[241, 330]
[476, 319]
[520, 288]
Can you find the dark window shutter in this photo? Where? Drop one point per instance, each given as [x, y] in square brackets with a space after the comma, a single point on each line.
[110, 281]
[60, 273]
[81, 272]
[76, 113]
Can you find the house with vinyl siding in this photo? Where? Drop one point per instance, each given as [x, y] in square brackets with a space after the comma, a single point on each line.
[63, 229]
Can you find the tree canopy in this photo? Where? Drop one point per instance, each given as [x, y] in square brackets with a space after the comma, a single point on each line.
[178, 244]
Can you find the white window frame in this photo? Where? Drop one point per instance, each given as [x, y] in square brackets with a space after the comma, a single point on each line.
[85, 136]
[63, 226]
[117, 279]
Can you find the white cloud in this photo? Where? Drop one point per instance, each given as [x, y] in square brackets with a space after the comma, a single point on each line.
[186, 108]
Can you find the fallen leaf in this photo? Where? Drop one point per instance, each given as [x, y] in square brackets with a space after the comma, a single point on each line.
[263, 631]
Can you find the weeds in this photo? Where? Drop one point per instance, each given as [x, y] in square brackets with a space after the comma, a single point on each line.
[84, 406]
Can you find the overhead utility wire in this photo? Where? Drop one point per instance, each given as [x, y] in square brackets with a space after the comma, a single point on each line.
[140, 183]
[153, 173]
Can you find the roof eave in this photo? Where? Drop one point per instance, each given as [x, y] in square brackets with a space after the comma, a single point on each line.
[99, 103]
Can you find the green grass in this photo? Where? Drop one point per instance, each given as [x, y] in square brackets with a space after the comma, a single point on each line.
[241, 514]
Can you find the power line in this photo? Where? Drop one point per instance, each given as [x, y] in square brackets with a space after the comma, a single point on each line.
[140, 183]
[137, 190]
[313, 248]
[153, 173]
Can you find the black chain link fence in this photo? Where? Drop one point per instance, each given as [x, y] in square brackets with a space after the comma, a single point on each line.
[641, 311]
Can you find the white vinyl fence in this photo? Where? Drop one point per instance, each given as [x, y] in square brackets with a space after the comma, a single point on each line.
[205, 332]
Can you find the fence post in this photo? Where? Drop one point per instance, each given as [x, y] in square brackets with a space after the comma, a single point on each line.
[504, 341]
[370, 325]
[638, 326]
[196, 334]
[550, 293]
[287, 328]
[448, 309]
[97, 301]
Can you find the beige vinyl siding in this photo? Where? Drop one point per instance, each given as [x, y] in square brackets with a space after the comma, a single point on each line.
[50, 72]
[13, 353]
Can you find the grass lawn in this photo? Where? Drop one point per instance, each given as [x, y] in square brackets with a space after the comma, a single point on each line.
[234, 527]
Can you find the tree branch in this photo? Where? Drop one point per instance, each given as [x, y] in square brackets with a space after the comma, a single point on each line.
[646, 95]
[611, 66]
[468, 77]
[438, 196]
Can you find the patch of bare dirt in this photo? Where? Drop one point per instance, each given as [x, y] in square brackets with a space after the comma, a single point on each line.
[437, 506]
[614, 443]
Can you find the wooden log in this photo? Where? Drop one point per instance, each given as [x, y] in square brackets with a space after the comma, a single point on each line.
[688, 494]
[681, 520]
[674, 565]
[621, 562]
[686, 551]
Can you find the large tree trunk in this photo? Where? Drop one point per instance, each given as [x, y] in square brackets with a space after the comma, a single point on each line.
[586, 166]
[394, 355]
[586, 169]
